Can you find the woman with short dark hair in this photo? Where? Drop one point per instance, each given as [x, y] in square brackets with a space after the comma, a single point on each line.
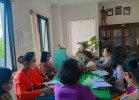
[6, 83]
[131, 73]
[70, 89]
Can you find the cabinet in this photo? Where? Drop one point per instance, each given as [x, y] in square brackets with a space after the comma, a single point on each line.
[122, 38]
[60, 56]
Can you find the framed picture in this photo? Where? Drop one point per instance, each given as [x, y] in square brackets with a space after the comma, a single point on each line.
[118, 10]
[110, 12]
[126, 10]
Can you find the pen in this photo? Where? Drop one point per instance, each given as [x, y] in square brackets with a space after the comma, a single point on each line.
[99, 81]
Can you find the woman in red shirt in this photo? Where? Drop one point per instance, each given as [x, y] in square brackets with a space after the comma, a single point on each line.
[26, 88]
[35, 71]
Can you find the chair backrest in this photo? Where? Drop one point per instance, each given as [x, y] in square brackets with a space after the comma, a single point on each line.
[44, 98]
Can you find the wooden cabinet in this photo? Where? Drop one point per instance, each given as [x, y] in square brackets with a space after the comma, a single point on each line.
[122, 38]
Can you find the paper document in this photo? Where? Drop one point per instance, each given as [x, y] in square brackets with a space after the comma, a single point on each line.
[54, 81]
[100, 72]
[100, 83]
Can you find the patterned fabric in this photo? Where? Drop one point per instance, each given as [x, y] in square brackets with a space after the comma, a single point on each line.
[6, 97]
[104, 62]
[132, 96]
[119, 75]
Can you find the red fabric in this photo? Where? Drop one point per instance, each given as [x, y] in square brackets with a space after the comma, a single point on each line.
[36, 75]
[23, 85]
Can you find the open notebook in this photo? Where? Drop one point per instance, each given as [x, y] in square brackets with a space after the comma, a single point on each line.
[100, 83]
[100, 72]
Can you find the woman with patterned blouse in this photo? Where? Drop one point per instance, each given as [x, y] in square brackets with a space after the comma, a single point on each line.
[131, 71]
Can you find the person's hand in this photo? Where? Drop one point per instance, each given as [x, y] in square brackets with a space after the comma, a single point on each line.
[48, 91]
[96, 96]
[108, 80]
[89, 59]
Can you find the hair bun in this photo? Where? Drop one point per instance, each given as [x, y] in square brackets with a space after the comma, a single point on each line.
[20, 59]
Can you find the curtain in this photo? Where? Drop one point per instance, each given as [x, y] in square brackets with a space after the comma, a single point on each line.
[81, 30]
[36, 35]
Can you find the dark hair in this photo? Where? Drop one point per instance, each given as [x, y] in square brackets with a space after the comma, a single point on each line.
[5, 75]
[132, 65]
[69, 72]
[84, 44]
[108, 49]
[115, 59]
[44, 56]
[27, 57]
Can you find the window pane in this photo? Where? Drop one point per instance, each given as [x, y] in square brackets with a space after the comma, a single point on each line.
[44, 35]
[81, 30]
[33, 34]
[8, 53]
[2, 53]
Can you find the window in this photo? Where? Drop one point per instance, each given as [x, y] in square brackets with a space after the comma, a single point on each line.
[7, 49]
[81, 30]
[40, 33]
[43, 28]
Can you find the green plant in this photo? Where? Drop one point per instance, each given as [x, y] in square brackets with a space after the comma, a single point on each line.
[92, 44]
[1, 48]
[132, 53]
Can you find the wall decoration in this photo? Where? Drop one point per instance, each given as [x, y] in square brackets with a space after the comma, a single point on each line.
[110, 12]
[126, 10]
[118, 10]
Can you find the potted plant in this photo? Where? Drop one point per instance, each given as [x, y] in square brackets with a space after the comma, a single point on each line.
[92, 44]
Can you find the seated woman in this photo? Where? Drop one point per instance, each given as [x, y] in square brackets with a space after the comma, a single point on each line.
[70, 89]
[6, 83]
[35, 72]
[117, 79]
[131, 73]
[26, 88]
[46, 67]
[105, 62]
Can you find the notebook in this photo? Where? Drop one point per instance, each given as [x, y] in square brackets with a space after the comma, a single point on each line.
[100, 83]
[100, 72]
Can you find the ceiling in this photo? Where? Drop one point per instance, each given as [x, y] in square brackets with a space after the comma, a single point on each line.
[67, 2]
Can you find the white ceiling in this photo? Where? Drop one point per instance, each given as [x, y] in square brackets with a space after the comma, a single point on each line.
[67, 2]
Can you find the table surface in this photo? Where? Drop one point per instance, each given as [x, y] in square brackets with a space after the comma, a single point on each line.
[85, 80]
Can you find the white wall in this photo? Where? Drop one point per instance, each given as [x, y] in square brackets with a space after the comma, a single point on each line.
[71, 13]
[118, 19]
[57, 26]
[21, 21]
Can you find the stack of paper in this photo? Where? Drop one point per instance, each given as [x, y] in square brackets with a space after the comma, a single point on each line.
[100, 83]
[54, 81]
[100, 72]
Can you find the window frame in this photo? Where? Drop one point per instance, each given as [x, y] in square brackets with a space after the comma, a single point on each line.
[8, 24]
[39, 17]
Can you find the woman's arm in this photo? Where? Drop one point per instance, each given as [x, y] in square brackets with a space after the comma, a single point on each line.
[53, 68]
[120, 76]
[28, 95]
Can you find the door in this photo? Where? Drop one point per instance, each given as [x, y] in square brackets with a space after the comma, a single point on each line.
[105, 35]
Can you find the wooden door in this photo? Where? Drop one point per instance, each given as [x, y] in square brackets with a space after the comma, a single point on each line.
[105, 35]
